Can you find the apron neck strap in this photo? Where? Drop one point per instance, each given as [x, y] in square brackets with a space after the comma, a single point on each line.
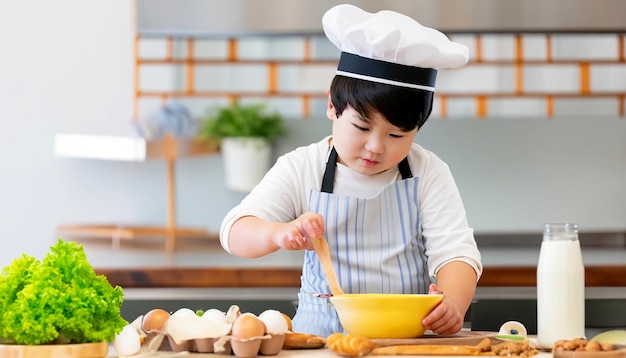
[405, 169]
[328, 182]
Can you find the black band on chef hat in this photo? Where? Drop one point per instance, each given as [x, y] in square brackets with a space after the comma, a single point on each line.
[395, 74]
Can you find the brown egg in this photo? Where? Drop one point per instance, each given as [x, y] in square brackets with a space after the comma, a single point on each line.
[155, 321]
[248, 326]
[289, 323]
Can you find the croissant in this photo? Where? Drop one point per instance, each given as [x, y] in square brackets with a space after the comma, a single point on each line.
[351, 346]
[294, 340]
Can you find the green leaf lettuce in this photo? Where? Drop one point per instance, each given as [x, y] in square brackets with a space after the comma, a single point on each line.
[58, 300]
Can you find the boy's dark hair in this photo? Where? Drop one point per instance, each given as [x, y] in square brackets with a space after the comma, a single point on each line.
[404, 107]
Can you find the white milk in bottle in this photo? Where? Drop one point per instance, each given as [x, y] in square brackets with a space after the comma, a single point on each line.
[560, 286]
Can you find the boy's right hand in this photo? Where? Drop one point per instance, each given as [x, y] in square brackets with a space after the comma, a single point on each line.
[298, 234]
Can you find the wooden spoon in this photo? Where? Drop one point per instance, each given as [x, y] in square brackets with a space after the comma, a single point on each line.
[321, 248]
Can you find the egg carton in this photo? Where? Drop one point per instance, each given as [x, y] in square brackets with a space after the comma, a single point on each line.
[245, 335]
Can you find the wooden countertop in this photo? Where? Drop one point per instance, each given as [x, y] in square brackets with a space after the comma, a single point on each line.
[464, 338]
[251, 277]
[309, 353]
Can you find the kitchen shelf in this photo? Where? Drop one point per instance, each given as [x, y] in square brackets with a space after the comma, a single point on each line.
[169, 149]
[523, 55]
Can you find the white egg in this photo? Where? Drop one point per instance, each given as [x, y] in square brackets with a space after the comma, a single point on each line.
[274, 322]
[214, 315]
[127, 342]
[184, 312]
[185, 327]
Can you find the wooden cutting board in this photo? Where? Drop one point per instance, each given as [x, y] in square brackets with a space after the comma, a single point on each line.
[465, 338]
[619, 353]
[86, 350]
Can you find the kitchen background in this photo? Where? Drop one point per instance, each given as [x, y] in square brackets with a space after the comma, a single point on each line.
[68, 67]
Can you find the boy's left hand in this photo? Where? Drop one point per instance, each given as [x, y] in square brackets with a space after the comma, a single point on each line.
[446, 318]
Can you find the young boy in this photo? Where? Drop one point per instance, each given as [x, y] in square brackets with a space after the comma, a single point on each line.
[388, 208]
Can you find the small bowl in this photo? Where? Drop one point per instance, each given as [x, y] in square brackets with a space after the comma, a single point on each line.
[373, 315]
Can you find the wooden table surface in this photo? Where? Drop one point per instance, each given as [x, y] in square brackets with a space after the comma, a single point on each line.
[305, 353]
[311, 353]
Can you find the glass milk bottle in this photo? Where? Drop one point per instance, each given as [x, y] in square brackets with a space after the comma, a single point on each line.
[560, 286]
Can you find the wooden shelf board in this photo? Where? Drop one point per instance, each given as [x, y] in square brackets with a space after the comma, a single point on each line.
[131, 232]
[117, 233]
[171, 148]
[129, 148]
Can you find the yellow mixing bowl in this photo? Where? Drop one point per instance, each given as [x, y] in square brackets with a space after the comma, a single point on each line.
[384, 315]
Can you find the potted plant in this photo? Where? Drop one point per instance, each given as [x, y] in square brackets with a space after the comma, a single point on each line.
[245, 134]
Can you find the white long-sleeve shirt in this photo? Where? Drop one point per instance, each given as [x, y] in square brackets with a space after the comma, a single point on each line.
[283, 195]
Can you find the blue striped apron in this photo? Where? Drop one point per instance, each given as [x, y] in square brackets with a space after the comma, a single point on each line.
[375, 248]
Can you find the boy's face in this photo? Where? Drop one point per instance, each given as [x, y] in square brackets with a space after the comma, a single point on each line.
[368, 145]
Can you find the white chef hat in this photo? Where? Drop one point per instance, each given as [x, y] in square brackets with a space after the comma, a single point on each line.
[389, 47]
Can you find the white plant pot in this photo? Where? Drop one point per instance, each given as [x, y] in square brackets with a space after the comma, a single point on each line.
[246, 160]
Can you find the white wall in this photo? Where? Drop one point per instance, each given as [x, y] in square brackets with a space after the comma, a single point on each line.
[516, 174]
[66, 66]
